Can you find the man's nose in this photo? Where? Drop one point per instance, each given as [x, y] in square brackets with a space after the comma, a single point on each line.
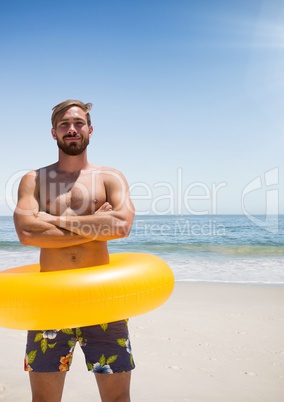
[72, 129]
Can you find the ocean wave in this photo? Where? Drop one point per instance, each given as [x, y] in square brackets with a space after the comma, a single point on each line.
[237, 250]
[5, 245]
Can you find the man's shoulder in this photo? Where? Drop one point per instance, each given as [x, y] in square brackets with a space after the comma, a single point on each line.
[111, 176]
[106, 170]
[34, 175]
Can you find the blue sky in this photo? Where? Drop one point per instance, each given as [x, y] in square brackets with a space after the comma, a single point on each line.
[187, 96]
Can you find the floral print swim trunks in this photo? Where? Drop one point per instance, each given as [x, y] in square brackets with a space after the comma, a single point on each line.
[106, 347]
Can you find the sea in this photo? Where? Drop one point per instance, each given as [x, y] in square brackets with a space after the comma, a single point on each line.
[207, 248]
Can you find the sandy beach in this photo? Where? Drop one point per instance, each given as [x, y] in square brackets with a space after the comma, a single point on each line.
[209, 342]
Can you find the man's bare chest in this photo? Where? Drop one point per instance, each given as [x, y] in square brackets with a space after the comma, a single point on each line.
[79, 195]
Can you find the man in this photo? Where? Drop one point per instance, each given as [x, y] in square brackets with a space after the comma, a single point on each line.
[70, 210]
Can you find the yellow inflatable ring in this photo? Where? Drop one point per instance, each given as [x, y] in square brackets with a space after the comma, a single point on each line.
[132, 284]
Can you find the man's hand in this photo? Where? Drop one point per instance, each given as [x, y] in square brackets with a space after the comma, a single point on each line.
[104, 208]
[45, 217]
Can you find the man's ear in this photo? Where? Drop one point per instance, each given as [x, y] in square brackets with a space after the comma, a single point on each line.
[91, 129]
[53, 133]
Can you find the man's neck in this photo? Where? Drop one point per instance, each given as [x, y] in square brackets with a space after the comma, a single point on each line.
[72, 163]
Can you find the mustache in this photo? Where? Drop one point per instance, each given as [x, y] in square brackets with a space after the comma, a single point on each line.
[71, 136]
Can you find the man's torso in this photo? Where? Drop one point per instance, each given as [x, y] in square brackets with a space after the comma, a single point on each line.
[76, 194]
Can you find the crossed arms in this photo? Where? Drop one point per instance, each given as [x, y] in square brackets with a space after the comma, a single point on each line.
[37, 228]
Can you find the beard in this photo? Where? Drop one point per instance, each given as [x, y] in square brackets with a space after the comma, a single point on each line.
[73, 148]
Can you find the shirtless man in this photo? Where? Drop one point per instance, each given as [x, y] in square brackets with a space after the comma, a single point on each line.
[70, 210]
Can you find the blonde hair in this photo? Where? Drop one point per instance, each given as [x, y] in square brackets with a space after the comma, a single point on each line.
[60, 109]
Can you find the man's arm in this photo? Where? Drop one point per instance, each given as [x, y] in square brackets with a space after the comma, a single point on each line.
[33, 231]
[113, 220]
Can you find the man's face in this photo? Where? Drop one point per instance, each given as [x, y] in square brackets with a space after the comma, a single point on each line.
[72, 131]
